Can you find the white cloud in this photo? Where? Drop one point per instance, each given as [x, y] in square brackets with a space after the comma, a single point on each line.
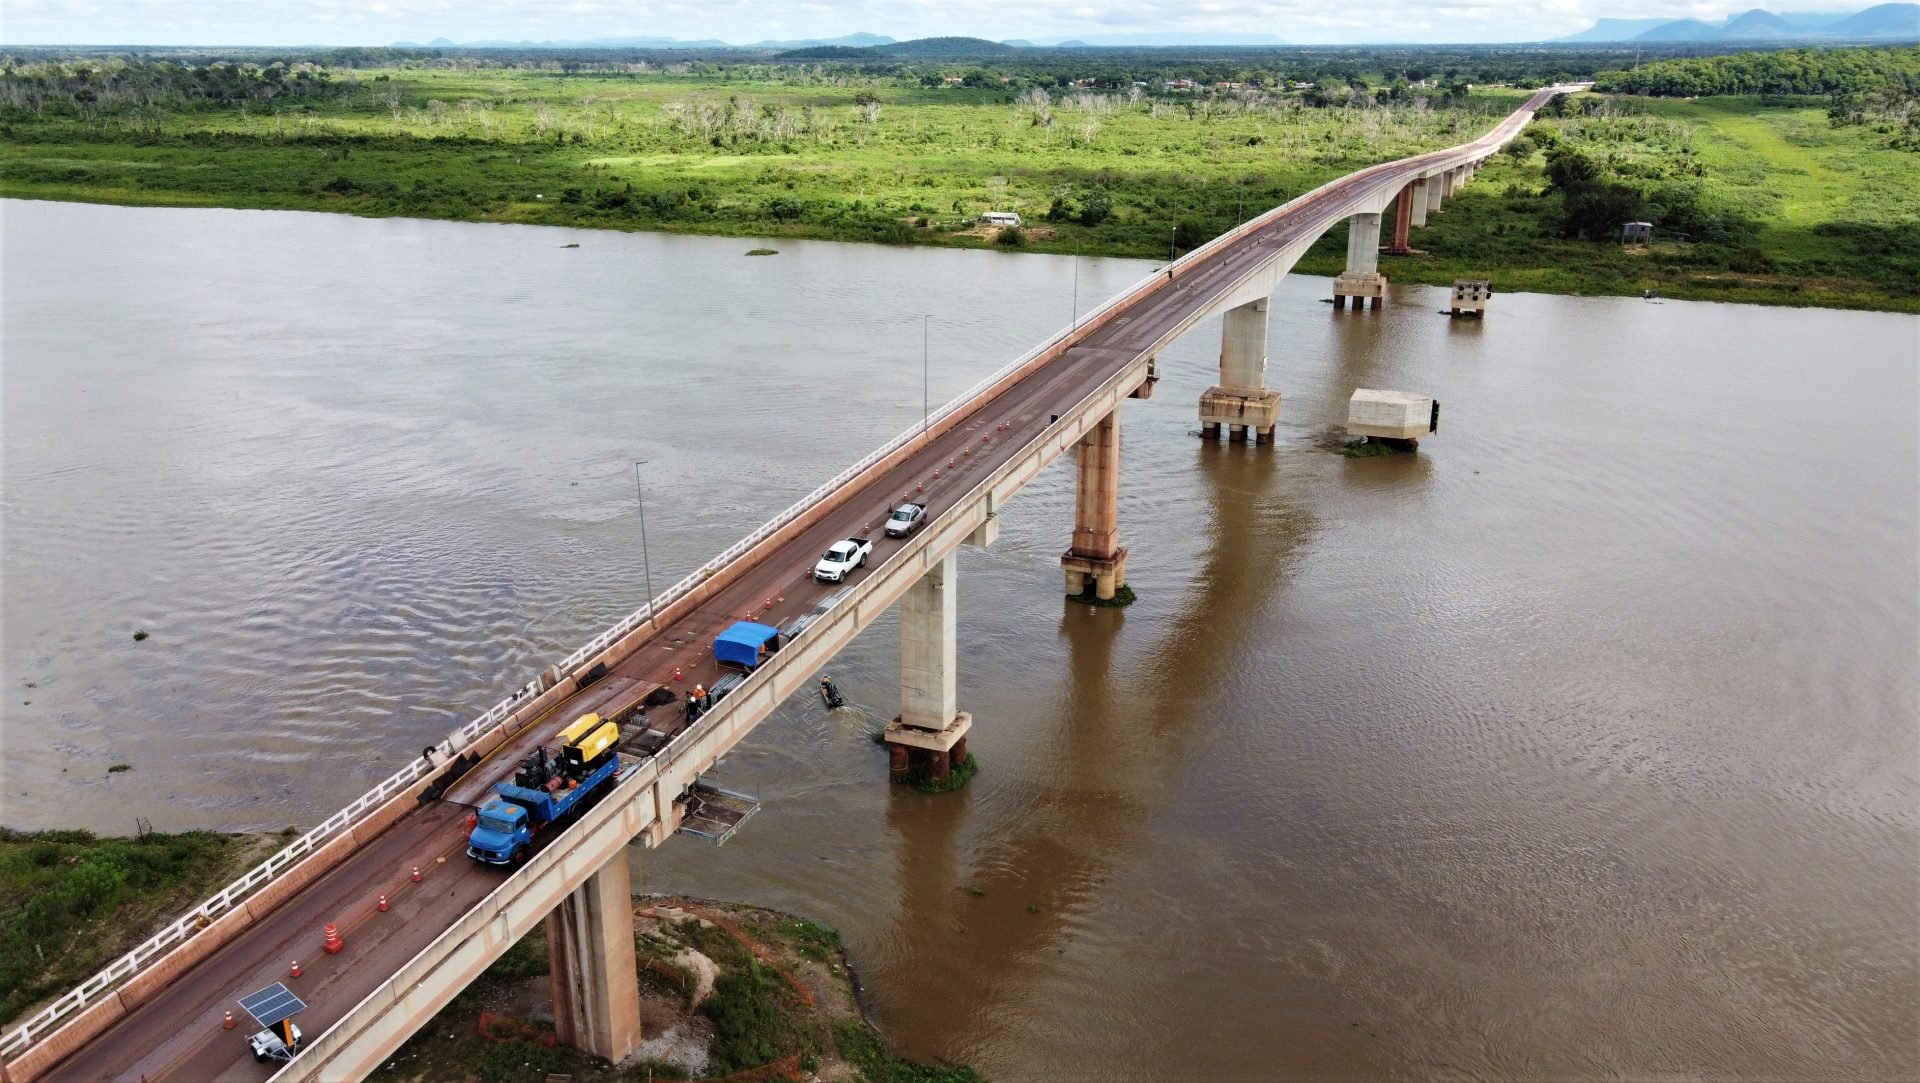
[339, 22]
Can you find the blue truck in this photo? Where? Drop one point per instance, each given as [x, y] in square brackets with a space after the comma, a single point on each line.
[546, 790]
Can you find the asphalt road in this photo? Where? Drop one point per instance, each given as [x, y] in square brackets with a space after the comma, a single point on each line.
[178, 1035]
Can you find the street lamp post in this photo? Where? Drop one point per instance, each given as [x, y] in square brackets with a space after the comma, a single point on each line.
[646, 566]
[926, 397]
[1074, 323]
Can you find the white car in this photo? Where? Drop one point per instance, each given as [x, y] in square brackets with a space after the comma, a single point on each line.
[905, 519]
[842, 558]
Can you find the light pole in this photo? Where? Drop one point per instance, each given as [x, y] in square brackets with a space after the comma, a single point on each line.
[926, 398]
[646, 566]
[1075, 322]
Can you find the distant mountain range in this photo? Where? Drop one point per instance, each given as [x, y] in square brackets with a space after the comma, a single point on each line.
[919, 47]
[856, 41]
[1148, 41]
[1885, 22]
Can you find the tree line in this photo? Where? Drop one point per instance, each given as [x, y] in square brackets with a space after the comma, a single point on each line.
[1785, 71]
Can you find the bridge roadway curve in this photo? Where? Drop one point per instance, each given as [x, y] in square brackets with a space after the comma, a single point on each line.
[178, 1033]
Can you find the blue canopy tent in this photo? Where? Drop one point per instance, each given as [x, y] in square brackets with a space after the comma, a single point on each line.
[746, 644]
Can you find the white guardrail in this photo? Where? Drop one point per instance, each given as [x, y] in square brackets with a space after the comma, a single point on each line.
[23, 1036]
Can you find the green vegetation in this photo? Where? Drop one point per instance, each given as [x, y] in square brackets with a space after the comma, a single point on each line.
[70, 903]
[1122, 597]
[922, 777]
[1786, 71]
[781, 1002]
[862, 1049]
[1760, 200]
[768, 151]
[1106, 153]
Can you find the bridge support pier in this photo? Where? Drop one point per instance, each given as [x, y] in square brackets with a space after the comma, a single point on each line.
[1362, 279]
[1436, 194]
[596, 978]
[1402, 218]
[1241, 403]
[1421, 201]
[930, 728]
[1096, 558]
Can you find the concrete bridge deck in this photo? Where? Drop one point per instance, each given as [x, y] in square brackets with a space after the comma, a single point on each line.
[173, 1031]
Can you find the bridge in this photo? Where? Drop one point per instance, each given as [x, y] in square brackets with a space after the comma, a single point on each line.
[419, 921]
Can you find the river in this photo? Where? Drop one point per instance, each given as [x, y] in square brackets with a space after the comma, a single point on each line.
[1582, 744]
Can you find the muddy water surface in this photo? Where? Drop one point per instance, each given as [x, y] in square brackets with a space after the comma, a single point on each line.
[1581, 745]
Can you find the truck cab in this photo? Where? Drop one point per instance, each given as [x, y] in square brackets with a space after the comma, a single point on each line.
[502, 834]
[269, 1045]
[841, 558]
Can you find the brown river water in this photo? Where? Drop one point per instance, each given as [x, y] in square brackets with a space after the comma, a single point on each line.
[1582, 745]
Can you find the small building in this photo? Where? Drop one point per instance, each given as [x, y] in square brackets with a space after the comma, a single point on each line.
[1470, 295]
[1001, 218]
[1636, 233]
[1391, 415]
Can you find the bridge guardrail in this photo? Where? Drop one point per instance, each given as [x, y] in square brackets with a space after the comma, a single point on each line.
[24, 1035]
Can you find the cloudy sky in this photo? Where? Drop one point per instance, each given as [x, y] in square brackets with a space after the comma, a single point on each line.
[379, 22]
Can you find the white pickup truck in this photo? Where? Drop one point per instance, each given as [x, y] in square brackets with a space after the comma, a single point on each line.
[841, 558]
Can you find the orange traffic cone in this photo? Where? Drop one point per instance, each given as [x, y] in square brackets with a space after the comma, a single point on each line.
[333, 944]
[676, 673]
[416, 874]
[296, 968]
[383, 904]
[228, 1025]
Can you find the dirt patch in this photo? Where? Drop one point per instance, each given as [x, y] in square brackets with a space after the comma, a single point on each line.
[703, 972]
[988, 233]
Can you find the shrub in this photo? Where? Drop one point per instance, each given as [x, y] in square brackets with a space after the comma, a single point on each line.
[749, 1028]
[1098, 208]
[1011, 236]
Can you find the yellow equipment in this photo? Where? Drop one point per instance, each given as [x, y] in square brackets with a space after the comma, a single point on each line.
[583, 750]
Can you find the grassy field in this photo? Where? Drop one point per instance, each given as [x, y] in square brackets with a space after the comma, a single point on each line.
[1800, 212]
[763, 158]
[71, 903]
[1812, 214]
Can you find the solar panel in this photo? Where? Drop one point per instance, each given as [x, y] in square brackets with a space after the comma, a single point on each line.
[272, 1004]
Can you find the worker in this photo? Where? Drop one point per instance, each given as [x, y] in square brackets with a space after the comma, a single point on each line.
[693, 707]
[829, 694]
[706, 700]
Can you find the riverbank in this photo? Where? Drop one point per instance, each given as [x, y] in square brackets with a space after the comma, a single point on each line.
[1776, 205]
[74, 902]
[1753, 200]
[727, 991]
